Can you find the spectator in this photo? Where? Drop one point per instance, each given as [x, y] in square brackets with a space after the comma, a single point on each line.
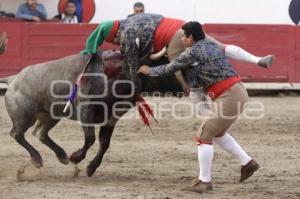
[32, 10]
[3, 43]
[138, 8]
[69, 15]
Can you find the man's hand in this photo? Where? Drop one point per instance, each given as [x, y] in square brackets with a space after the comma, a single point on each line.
[144, 70]
[37, 19]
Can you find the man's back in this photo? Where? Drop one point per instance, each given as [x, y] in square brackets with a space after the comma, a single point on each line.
[209, 64]
[136, 37]
[140, 20]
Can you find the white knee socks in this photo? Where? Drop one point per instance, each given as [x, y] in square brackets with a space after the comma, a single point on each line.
[229, 144]
[238, 53]
[205, 157]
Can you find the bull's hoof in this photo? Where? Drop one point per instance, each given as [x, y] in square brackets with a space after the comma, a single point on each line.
[76, 157]
[64, 160]
[37, 162]
[90, 170]
[63, 157]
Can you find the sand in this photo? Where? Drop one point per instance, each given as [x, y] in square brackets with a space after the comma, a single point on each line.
[140, 165]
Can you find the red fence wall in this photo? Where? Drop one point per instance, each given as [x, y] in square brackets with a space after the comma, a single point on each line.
[261, 40]
[31, 43]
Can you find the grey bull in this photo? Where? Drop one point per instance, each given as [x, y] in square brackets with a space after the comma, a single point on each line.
[37, 95]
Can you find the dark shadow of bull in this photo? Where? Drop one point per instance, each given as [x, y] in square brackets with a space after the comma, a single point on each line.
[30, 100]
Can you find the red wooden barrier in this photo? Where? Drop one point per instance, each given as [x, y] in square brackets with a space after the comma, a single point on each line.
[297, 55]
[31, 43]
[261, 40]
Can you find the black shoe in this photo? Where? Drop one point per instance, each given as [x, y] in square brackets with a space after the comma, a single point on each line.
[266, 61]
[248, 170]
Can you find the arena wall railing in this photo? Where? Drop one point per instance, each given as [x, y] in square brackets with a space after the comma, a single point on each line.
[31, 43]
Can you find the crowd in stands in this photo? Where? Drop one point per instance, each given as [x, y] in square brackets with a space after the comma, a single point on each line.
[32, 10]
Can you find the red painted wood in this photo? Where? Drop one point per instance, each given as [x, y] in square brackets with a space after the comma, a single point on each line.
[297, 54]
[31, 43]
[260, 40]
[292, 54]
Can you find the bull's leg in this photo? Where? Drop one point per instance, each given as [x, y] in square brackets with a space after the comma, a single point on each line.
[48, 124]
[104, 139]
[21, 110]
[86, 117]
[89, 135]
[17, 132]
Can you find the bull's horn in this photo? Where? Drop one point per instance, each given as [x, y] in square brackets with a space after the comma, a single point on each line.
[158, 55]
[137, 42]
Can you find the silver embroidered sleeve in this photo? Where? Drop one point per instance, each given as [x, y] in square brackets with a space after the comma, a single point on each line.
[158, 71]
[185, 59]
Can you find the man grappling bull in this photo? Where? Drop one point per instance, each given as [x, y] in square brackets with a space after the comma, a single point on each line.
[205, 67]
[141, 35]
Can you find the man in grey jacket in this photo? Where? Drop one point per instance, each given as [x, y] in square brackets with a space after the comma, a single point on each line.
[205, 67]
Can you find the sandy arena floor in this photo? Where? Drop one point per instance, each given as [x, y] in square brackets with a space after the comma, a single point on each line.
[139, 165]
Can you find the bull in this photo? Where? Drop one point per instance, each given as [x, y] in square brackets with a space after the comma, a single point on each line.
[37, 95]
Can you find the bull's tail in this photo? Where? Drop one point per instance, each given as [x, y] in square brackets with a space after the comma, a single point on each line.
[7, 80]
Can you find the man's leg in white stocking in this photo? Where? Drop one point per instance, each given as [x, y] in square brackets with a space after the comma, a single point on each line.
[205, 157]
[229, 144]
[238, 53]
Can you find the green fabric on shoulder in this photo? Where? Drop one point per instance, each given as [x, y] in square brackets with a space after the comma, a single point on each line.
[97, 37]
